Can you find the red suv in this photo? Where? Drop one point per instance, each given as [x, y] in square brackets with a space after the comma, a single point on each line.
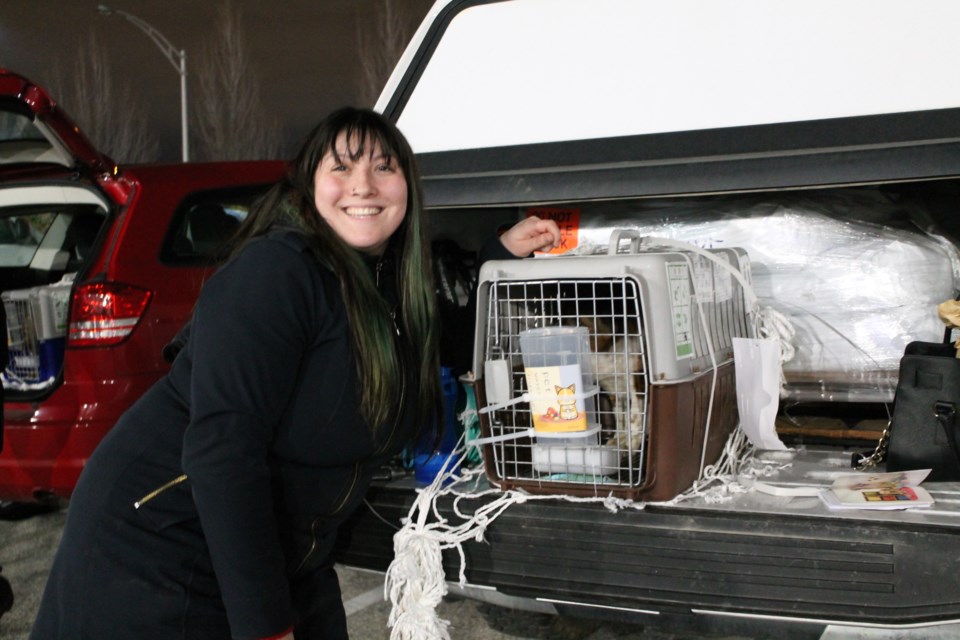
[99, 267]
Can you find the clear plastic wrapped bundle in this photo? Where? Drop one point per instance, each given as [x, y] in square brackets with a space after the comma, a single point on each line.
[853, 272]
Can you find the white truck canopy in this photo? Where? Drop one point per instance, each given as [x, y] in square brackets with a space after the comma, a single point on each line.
[529, 71]
[679, 97]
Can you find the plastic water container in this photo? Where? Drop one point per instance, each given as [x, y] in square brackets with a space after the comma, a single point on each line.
[426, 463]
[556, 366]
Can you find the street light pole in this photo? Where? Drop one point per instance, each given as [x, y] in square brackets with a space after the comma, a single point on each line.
[177, 57]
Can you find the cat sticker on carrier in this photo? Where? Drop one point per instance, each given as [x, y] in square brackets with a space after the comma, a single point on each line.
[568, 402]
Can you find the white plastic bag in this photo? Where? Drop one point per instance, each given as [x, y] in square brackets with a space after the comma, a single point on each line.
[757, 363]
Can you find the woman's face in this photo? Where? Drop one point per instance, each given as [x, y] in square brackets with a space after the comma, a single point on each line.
[364, 200]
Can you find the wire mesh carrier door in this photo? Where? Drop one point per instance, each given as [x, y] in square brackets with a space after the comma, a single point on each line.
[36, 326]
[656, 367]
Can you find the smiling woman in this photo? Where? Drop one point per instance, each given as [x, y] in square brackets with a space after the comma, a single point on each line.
[268, 441]
[361, 193]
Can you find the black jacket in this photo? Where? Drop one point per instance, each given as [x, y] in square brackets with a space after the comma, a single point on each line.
[260, 413]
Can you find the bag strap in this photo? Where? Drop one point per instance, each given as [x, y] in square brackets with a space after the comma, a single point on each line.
[946, 413]
[863, 462]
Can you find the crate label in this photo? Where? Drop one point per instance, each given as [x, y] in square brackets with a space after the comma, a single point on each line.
[723, 281]
[556, 399]
[703, 273]
[60, 302]
[678, 284]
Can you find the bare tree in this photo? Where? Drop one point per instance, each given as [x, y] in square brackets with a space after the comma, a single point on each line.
[381, 45]
[111, 115]
[230, 120]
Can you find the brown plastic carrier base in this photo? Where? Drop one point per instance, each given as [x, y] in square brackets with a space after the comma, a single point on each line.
[675, 438]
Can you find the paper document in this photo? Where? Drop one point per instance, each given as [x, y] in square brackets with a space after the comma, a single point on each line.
[894, 490]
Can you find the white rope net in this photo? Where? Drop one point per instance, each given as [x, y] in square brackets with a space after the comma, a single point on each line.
[415, 582]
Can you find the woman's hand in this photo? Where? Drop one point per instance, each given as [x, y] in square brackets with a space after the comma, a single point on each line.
[529, 235]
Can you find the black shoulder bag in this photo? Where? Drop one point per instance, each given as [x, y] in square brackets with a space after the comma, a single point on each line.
[923, 430]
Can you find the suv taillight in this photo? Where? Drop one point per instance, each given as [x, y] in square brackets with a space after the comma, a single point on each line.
[105, 313]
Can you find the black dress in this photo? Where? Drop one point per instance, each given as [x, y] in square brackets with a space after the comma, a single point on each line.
[210, 510]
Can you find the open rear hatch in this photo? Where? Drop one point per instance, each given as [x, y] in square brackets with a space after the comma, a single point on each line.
[55, 196]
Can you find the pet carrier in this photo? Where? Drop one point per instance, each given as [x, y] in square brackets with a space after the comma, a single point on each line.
[656, 374]
[36, 330]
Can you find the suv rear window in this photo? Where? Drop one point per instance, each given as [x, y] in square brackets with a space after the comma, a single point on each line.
[21, 141]
[39, 244]
[205, 222]
[20, 238]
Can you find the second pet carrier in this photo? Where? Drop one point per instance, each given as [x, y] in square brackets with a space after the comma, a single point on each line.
[36, 330]
[641, 362]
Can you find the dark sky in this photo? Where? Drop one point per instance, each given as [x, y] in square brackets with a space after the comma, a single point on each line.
[305, 51]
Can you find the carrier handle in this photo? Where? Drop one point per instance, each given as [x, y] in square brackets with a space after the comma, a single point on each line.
[619, 234]
[651, 241]
[638, 241]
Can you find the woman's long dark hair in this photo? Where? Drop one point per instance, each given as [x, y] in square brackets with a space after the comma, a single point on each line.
[372, 330]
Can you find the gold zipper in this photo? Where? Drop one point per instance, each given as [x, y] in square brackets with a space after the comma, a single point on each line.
[153, 494]
[313, 546]
[336, 510]
[348, 492]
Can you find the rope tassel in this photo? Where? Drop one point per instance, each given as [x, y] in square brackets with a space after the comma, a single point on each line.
[415, 582]
[415, 587]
